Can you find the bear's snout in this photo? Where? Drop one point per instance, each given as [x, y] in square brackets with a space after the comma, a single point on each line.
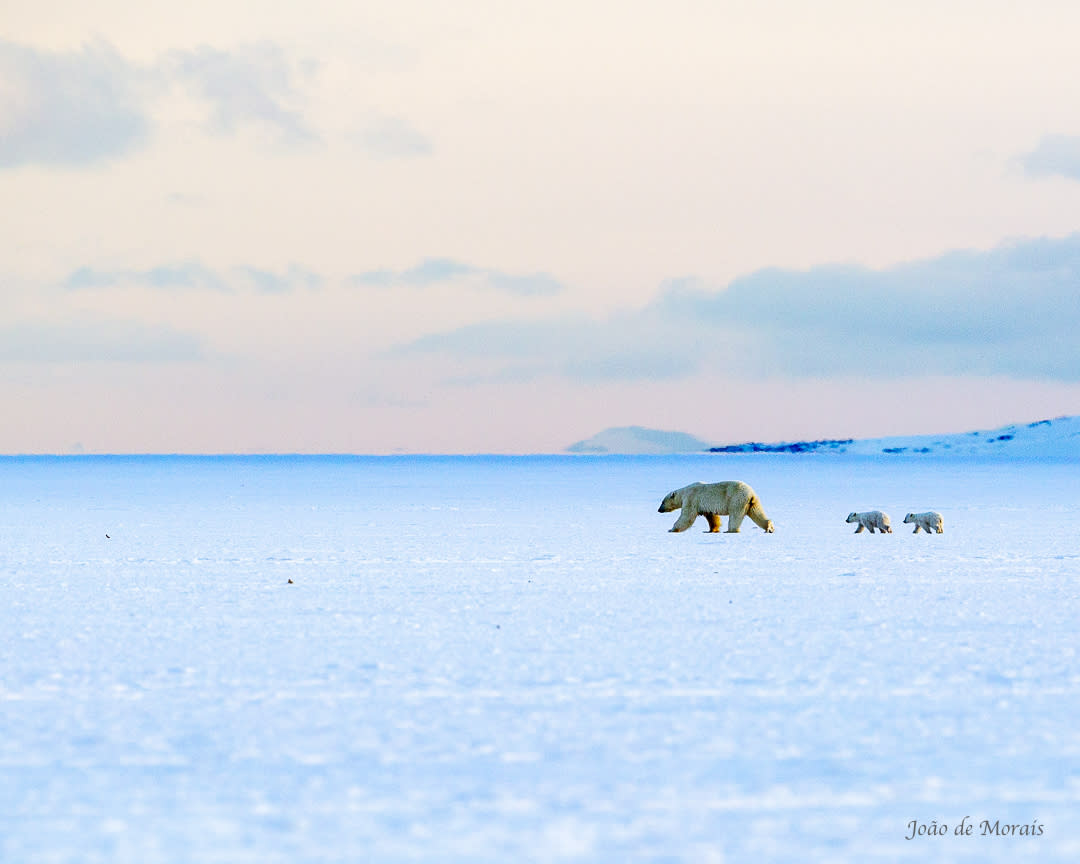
[668, 504]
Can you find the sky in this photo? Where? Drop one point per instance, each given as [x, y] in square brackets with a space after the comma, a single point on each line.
[500, 226]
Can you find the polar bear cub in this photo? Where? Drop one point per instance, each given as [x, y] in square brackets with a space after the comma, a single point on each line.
[731, 498]
[870, 520]
[929, 521]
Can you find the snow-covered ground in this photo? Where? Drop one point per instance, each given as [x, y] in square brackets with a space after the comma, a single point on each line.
[511, 659]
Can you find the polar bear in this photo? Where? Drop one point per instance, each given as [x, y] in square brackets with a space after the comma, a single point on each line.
[929, 521]
[731, 498]
[870, 520]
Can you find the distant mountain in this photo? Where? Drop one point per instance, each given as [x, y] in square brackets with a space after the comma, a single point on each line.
[1044, 439]
[639, 440]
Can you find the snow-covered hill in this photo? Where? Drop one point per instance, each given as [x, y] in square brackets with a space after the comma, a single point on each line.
[1043, 439]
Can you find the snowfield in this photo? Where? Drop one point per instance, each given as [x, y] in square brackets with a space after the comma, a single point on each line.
[502, 659]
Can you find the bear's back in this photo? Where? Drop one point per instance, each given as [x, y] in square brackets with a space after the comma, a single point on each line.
[722, 493]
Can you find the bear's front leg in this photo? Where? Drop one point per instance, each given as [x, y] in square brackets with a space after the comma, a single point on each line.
[734, 521]
[862, 528]
[714, 523]
[685, 520]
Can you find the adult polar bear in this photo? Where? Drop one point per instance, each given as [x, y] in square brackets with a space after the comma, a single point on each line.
[731, 498]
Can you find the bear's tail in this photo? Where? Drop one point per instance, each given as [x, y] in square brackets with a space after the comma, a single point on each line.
[758, 516]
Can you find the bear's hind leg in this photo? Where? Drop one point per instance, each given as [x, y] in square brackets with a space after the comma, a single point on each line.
[757, 515]
[714, 523]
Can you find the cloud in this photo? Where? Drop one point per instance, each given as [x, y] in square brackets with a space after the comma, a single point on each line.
[528, 285]
[193, 276]
[432, 271]
[190, 275]
[387, 137]
[627, 347]
[1056, 155]
[97, 342]
[268, 282]
[78, 108]
[1006, 311]
[87, 106]
[254, 86]
[91, 105]
[1009, 311]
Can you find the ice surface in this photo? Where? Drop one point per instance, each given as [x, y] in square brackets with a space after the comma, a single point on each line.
[511, 659]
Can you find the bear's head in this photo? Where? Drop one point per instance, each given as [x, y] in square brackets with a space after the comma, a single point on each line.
[852, 517]
[910, 517]
[672, 501]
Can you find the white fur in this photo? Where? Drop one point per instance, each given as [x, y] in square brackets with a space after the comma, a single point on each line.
[731, 498]
[929, 521]
[870, 520]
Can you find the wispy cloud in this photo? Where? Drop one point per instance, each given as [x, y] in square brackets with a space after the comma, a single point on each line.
[194, 276]
[627, 347]
[190, 275]
[295, 278]
[97, 342]
[432, 271]
[74, 108]
[1056, 156]
[1012, 311]
[525, 285]
[252, 86]
[388, 137]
